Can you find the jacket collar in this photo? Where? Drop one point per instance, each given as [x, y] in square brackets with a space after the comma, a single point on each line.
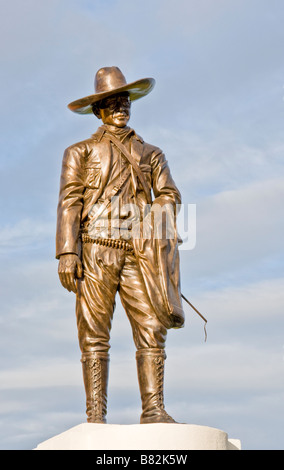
[98, 135]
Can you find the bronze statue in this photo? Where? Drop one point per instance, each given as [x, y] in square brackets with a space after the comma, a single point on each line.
[116, 172]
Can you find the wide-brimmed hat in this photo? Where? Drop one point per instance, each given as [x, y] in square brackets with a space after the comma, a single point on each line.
[110, 81]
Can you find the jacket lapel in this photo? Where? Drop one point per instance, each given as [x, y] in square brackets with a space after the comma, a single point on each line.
[103, 150]
[136, 150]
[105, 153]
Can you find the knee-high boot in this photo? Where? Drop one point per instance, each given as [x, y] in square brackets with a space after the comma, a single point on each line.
[150, 368]
[95, 375]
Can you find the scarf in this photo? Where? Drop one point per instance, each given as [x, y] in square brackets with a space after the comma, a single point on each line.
[120, 132]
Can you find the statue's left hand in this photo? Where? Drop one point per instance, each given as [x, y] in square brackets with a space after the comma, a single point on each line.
[69, 268]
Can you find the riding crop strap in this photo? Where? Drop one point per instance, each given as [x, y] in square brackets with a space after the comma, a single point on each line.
[201, 316]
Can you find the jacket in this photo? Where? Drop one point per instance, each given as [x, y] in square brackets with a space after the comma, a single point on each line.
[85, 170]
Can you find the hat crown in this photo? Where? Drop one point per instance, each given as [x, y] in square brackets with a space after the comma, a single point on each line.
[108, 82]
[109, 79]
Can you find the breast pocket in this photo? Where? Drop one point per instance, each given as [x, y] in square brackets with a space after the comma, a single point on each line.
[93, 177]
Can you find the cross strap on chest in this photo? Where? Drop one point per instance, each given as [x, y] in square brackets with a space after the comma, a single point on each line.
[133, 163]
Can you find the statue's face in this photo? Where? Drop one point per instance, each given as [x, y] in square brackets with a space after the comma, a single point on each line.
[115, 110]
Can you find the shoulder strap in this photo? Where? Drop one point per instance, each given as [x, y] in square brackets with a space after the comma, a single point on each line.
[133, 163]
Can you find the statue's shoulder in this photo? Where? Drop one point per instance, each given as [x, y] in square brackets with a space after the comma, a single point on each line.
[77, 146]
[84, 147]
[150, 149]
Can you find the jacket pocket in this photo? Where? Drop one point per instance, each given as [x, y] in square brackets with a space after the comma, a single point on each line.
[92, 177]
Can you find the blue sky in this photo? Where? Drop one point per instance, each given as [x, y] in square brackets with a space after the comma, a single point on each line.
[217, 112]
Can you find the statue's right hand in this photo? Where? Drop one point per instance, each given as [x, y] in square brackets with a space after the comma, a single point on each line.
[69, 268]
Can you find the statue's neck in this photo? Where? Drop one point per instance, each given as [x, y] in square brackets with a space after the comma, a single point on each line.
[116, 130]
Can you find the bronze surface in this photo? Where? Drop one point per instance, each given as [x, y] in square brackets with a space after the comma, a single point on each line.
[96, 261]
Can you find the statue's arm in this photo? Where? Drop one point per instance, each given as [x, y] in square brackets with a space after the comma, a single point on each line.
[164, 187]
[69, 218]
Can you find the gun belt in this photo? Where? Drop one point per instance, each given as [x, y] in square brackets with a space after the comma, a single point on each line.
[110, 242]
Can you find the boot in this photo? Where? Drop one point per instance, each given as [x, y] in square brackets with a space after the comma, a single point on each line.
[150, 367]
[95, 375]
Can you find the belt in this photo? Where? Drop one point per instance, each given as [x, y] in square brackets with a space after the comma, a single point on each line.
[110, 242]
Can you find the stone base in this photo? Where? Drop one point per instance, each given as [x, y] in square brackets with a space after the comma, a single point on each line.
[89, 436]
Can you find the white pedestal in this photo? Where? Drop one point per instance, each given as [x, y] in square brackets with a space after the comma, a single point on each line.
[89, 436]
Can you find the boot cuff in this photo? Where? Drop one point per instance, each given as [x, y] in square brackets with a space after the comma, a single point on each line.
[152, 352]
[94, 355]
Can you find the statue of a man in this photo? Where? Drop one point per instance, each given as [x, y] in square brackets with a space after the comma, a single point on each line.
[100, 254]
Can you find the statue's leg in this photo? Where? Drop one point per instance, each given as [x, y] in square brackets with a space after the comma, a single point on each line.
[150, 368]
[94, 310]
[150, 337]
[95, 375]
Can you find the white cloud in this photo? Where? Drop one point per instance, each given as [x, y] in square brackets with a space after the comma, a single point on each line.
[46, 373]
[216, 158]
[25, 232]
[257, 302]
[228, 368]
[237, 230]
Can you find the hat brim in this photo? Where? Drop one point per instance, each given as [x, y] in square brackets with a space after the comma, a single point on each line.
[136, 91]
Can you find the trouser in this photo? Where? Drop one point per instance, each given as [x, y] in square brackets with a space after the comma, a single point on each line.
[106, 272]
